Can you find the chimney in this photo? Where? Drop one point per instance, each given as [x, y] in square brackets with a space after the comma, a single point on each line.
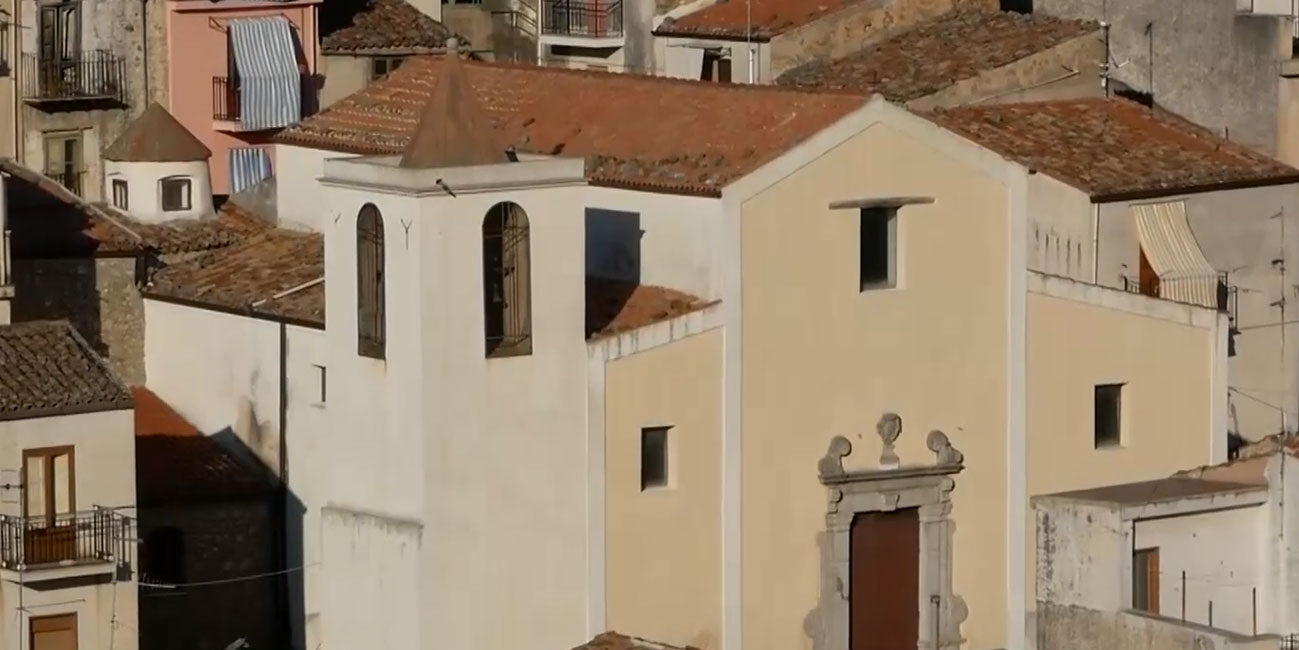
[430, 8]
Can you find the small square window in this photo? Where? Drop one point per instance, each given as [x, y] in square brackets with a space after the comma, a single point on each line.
[119, 194]
[382, 65]
[653, 457]
[1108, 421]
[175, 194]
[878, 248]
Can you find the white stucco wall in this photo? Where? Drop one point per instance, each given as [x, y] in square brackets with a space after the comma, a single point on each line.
[144, 188]
[1222, 555]
[298, 199]
[488, 454]
[682, 57]
[1060, 230]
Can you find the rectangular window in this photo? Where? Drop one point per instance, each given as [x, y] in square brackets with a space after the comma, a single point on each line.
[878, 248]
[119, 194]
[175, 194]
[53, 632]
[653, 457]
[380, 66]
[63, 159]
[1108, 421]
[716, 67]
[1145, 580]
[321, 372]
[49, 484]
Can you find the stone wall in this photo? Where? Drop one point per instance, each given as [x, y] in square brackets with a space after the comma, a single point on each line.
[219, 540]
[98, 296]
[1199, 59]
[1064, 627]
[846, 31]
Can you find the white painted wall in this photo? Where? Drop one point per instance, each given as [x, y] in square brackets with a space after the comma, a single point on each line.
[144, 188]
[104, 453]
[1060, 233]
[681, 57]
[1222, 554]
[299, 203]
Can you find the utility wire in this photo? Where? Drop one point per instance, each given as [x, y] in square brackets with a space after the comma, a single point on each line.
[204, 583]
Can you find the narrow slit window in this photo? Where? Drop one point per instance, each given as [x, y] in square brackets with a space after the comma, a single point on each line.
[370, 307]
[1108, 420]
[1145, 580]
[507, 283]
[654, 457]
[320, 371]
[120, 200]
[878, 248]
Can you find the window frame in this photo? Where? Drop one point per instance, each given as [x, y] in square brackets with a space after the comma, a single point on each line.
[388, 63]
[46, 456]
[1146, 575]
[185, 182]
[1102, 437]
[869, 277]
[125, 195]
[507, 281]
[663, 481]
[69, 173]
[371, 263]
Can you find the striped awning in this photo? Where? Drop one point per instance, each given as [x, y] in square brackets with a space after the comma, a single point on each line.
[270, 84]
[248, 167]
[1174, 255]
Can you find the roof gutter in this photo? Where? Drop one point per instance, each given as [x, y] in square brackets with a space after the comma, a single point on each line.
[1137, 195]
[247, 312]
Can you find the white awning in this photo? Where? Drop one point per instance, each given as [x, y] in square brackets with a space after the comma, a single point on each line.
[270, 85]
[1174, 255]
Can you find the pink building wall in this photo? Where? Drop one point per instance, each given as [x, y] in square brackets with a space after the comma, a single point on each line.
[197, 52]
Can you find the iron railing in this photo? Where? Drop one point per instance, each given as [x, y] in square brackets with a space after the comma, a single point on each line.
[226, 98]
[1290, 642]
[94, 75]
[73, 180]
[97, 535]
[583, 18]
[1225, 298]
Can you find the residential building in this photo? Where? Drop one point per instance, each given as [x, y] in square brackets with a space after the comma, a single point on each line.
[759, 40]
[266, 80]
[1201, 558]
[207, 514]
[67, 556]
[1003, 57]
[634, 339]
[380, 37]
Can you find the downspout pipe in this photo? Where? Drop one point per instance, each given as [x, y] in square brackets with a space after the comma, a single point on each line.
[281, 508]
[144, 37]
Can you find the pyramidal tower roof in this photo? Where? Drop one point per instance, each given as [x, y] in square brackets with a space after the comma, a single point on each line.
[453, 129]
[156, 136]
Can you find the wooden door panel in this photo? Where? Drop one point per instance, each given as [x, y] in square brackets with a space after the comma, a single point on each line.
[884, 568]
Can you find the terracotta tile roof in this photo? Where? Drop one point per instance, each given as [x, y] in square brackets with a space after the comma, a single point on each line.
[453, 130]
[766, 18]
[615, 641]
[1113, 148]
[701, 137]
[46, 368]
[931, 56]
[174, 462]
[250, 278]
[614, 306]
[388, 25]
[49, 221]
[156, 136]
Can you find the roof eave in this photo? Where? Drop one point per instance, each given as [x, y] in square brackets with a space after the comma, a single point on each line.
[756, 37]
[77, 409]
[1161, 192]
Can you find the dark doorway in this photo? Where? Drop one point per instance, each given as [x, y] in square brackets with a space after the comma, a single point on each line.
[885, 571]
[1147, 279]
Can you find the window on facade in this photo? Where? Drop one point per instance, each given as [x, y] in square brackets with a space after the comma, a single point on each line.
[120, 200]
[653, 457]
[175, 194]
[59, 37]
[716, 67]
[320, 371]
[49, 485]
[878, 248]
[380, 66]
[507, 284]
[63, 161]
[370, 325]
[1108, 421]
[58, 632]
[1145, 580]
[163, 556]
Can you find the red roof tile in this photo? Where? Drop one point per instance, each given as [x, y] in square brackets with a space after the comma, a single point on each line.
[46, 369]
[615, 641]
[278, 274]
[933, 55]
[387, 26]
[766, 18]
[174, 462]
[1113, 148]
[156, 136]
[614, 306]
[635, 131]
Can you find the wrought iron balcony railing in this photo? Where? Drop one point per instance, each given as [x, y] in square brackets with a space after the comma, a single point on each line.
[84, 537]
[588, 18]
[73, 180]
[94, 75]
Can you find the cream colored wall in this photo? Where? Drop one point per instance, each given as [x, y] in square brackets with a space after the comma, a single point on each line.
[664, 545]
[822, 359]
[1166, 354]
[344, 75]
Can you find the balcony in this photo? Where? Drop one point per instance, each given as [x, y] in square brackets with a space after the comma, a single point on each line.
[227, 98]
[73, 180]
[92, 537]
[579, 22]
[95, 76]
